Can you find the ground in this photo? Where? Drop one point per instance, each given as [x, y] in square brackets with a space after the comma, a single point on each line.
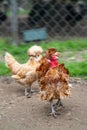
[20, 113]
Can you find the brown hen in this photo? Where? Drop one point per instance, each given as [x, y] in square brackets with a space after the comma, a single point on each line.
[53, 79]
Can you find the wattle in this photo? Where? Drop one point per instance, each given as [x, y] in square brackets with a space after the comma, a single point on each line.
[54, 63]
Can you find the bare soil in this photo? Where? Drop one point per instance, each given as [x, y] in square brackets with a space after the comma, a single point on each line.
[20, 113]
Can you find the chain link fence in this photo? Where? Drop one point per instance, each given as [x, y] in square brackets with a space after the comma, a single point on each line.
[61, 18]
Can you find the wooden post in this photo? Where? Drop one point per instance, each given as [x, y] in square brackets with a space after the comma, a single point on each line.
[14, 21]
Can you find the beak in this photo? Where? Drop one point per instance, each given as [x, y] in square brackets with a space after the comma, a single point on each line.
[57, 55]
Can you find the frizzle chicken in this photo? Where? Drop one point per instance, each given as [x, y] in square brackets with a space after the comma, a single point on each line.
[53, 79]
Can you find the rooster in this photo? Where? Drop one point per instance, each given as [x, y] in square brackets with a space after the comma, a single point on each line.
[25, 74]
[53, 79]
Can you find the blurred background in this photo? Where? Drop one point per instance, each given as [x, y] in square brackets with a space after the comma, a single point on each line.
[59, 19]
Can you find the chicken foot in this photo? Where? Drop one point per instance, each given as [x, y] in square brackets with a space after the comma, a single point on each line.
[28, 92]
[53, 112]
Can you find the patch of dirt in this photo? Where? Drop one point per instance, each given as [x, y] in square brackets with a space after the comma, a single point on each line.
[20, 113]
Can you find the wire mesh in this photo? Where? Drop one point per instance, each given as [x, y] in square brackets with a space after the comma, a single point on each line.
[61, 18]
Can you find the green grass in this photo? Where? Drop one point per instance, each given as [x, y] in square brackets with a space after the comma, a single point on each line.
[3, 69]
[69, 45]
[77, 69]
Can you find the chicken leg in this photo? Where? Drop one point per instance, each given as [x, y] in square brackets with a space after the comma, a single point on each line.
[28, 91]
[59, 103]
[53, 112]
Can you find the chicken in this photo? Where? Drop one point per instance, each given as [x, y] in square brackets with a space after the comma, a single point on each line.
[53, 79]
[25, 74]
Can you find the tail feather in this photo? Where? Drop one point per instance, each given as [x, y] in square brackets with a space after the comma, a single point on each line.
[9, 59]
[11, 63]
